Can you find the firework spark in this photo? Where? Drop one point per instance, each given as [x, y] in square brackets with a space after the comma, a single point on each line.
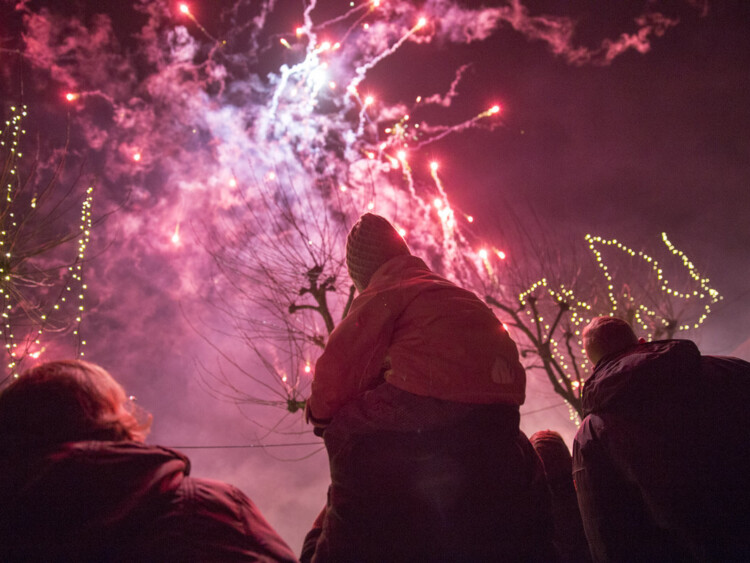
[197, 129]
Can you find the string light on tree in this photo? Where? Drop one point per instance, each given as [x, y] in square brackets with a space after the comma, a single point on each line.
[36, 305]
[701, 295]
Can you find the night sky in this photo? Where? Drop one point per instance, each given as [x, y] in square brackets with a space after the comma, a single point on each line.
[622, 122]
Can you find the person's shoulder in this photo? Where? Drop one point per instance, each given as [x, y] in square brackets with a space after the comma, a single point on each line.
[217, 521]
[208, 499]
[730, 377]
[199, 490]
[730, 363]
[400, 276]
[588, 430]
[659, 354]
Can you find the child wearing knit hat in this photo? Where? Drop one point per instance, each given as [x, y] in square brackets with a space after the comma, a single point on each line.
[414, 330]
[417, 393]
[371, 243]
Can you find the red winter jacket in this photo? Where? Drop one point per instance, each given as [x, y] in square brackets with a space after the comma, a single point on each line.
[431, 337]
[125, 501]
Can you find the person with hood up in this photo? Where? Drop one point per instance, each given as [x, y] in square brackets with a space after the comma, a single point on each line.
[661, 460]
[569, 537]
[417, 395]
[77, 483]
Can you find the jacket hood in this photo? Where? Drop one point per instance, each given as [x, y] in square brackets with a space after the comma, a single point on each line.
[82, 490]
[653, 373]
[397, 269]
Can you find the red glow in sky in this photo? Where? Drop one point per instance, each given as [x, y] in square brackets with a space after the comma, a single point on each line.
[581, 146]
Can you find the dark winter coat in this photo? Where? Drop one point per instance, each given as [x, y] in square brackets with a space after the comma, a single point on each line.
[419, 479]
[662, 458]
[124, 501]
[569, 536]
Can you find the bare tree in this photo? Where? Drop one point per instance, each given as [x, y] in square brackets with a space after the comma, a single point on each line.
[282, 285]
[546, 316]
[42, 247]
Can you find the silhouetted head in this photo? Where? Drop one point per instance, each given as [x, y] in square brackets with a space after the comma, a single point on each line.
[371, 243]
[554, 453]
[68, 401]
[607, 335]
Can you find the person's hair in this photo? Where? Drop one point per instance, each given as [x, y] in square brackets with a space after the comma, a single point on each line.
[607, 335]
[554, 453]
[67, 401]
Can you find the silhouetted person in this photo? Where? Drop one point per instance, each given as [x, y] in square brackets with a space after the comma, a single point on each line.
[417, 392]
[78, 484]
[570, 539]
[662, 458]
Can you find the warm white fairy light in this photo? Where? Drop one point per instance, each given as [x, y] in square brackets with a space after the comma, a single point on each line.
[580, 313]
[29, 344]
[77, 276]
[10, 138]
[645, 316]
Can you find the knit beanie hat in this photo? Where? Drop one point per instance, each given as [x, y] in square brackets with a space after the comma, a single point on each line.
[370, 244]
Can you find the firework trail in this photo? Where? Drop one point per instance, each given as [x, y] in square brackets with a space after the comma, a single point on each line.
[202, 135]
